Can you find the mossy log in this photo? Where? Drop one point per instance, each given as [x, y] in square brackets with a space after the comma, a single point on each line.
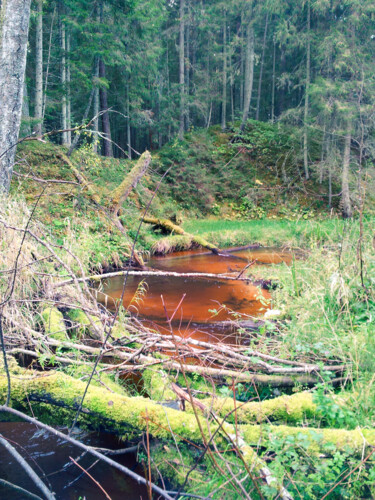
[131, 180]
[285, 409]
[82, 180]
[83, 324]
[128, 416]
[53, 323]
[170, 227]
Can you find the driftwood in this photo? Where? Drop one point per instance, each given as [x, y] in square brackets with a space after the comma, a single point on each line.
[170, 227]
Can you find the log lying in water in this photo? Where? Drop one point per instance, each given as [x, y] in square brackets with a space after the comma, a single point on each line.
[170, 227]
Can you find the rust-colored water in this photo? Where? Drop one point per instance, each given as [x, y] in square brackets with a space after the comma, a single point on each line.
[205, 302]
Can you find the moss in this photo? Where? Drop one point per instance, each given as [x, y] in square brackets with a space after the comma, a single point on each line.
[104, 380]
[315, 439]
[82, 323]
[293, 408]
[157, 385]
[114, 412]
[53, 322]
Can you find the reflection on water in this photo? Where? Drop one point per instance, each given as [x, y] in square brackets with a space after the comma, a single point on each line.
[49, 456]
[206, 302]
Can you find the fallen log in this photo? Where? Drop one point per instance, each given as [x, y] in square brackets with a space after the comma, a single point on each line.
[131, 180]
[170, 227]
[99, 277]
[131, 416]
[124, 415]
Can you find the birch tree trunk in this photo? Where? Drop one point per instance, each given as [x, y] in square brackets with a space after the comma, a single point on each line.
[261, 68]
[249, 73]
[15, 16]
[39, 69]
[224, 94]
[182, 69]
[307, 88]
[346, 205]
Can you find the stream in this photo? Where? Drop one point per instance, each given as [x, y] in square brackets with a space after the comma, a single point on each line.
[206, 302]
[200, 315]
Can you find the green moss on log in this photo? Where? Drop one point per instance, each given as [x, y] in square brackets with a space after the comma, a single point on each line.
[53, 323]
[353, 441]
[293, 408]
[157, 385]
[82, 324]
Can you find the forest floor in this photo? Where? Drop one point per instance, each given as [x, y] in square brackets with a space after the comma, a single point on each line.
[291, 415]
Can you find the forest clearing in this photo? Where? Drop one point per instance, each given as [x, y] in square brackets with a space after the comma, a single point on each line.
[187, 249]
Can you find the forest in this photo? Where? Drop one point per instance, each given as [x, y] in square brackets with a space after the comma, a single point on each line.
[187, 249]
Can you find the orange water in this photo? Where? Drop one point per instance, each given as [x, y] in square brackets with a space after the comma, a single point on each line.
[197, 305]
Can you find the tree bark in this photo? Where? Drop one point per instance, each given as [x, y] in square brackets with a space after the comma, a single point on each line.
[39, 69]
[96, 106]
[249, 73]
[346, 205]
[307, 89]
[106, 126]
[68, 94]
[273, 82]
[182, 69]
[224, 92]
[13, 46]
[261, 68]
[25, 129]
[64, 108]
[128, 130]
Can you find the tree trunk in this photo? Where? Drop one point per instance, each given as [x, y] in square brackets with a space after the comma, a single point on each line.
[25, 129]
[68, 94]
[106, 127]
[96, 106]
[64, 109]
[187, 83]
[261, 68]
[224, 93]
[307, 88]
[128, 131]
[242, 64]
[249, 73]
[273, 82]
[345, 192]
[182, 69]
[48, 63]
[15, 15]
[39, 69]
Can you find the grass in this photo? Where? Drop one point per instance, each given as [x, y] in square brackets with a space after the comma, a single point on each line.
[274, 232]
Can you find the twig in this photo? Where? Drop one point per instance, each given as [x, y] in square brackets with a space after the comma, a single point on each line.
[26, 467]
[90, 476]
[20, 490]
[89, 449]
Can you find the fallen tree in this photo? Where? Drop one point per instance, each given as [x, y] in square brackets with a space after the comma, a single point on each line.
[170, 227]
[129, 417]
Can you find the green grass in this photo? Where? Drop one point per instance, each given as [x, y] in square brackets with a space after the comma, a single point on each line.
[274, 232]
